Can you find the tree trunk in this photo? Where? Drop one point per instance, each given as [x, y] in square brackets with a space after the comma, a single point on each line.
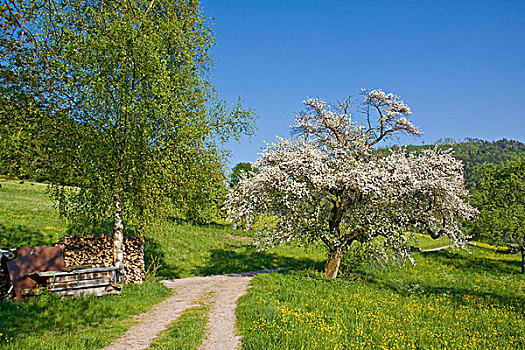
[334, 261]
[522, 260]
[118, 235]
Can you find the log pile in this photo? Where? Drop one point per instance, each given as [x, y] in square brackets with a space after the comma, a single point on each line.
[97, 251]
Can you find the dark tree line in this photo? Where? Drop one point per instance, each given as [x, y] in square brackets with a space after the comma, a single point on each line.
[475, 152]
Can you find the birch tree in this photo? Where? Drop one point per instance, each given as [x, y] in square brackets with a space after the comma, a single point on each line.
[132, 78]
[327, 184]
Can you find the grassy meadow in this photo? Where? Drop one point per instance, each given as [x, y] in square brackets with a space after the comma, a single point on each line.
[172, 250]
[184, 250]
[27, 215]
[47, 322]
[449, 300]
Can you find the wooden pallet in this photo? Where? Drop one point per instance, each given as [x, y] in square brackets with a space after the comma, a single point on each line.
[76, 283]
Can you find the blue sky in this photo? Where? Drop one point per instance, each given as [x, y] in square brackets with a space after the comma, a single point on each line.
[460, 65]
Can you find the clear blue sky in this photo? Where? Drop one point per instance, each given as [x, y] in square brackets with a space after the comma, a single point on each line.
[460, 65]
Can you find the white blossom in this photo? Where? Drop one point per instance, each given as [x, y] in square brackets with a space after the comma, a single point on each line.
[327, 183]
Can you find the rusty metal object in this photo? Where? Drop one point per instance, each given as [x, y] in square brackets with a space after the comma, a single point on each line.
[31, 260]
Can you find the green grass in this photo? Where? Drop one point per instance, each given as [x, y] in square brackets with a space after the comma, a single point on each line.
[186, 333]
[423, 242]
[27, 215]
[85, 323]
[184, 250]
[449, 300]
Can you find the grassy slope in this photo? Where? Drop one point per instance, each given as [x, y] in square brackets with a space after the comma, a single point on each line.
[186, 250]
[27, 217]
[449, 299]
[86, 323]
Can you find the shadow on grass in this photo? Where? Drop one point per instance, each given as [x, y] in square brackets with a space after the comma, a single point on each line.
[223, 261]
[213, 224]
[459, 294]
[460, 290]
[41, 316]
[217, 226]
[477, 263]
[12, 237]
[49, 317]
[154, 259]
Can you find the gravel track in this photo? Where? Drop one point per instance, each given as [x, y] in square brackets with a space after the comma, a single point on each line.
[220, 331]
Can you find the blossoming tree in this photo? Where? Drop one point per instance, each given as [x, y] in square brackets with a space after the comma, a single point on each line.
[328, 184]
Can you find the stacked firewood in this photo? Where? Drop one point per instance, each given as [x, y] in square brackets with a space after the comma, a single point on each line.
[134, 259]
[97, 251]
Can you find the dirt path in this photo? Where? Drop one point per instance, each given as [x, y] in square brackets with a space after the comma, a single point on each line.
[220, 330]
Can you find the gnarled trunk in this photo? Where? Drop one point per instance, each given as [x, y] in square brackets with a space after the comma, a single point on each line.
[334, 253]
[333, 262]
[118, 235]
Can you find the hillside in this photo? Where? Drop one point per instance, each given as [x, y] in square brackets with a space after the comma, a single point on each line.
[475, 152]
[449, 298]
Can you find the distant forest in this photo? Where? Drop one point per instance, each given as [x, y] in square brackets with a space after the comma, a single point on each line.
[474, 152]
